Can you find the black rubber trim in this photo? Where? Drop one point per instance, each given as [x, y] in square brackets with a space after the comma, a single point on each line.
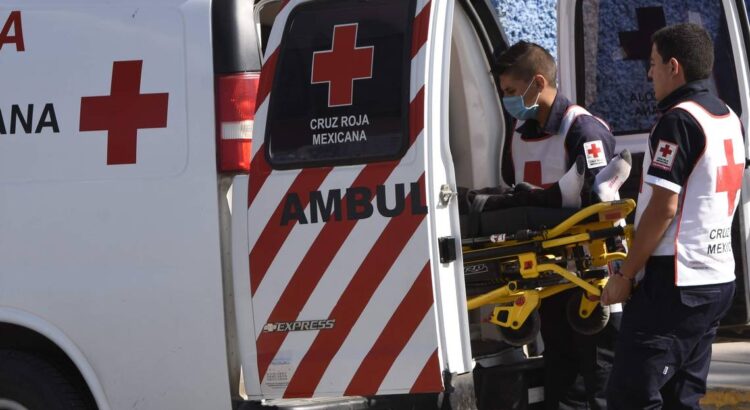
[484, 19]
[235, 42]
[744, 14]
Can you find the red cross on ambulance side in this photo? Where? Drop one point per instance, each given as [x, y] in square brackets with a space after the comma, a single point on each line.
[124, 112]
[340, 66]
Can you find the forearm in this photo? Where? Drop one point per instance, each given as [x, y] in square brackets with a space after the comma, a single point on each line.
[651, 228]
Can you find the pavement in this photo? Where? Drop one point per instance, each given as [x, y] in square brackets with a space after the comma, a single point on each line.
[729, 377]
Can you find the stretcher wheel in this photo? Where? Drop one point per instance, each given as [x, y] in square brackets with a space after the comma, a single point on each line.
[525, 334]
[590, 325]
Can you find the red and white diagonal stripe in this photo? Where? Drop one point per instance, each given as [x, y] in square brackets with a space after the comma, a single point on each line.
[372, 276]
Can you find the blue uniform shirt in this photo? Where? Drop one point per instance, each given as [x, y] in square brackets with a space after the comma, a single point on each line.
[584, 129]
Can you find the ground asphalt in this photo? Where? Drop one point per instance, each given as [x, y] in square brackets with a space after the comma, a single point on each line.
[729, 377]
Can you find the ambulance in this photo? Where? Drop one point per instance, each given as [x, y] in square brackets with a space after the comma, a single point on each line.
[183, 229]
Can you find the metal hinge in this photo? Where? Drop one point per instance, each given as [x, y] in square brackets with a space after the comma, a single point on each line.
[446, 193]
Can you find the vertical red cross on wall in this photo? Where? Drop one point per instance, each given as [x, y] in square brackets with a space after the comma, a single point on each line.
[342, 64]
[123, 112]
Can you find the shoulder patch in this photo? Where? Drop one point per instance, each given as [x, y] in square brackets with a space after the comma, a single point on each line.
[664, 156]
[594, 151]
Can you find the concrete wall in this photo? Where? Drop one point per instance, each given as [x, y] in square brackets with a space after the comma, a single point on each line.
[530, 20]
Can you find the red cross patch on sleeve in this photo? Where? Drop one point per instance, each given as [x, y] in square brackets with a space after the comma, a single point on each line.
[664, 155]
[594, 154]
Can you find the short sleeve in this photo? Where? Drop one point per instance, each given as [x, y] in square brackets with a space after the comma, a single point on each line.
[676, 144]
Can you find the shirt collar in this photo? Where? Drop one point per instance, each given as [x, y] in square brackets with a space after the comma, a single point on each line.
[683, 93]
[532, 128]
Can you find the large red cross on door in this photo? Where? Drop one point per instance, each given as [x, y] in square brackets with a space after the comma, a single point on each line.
[123, 112]
[729, 177]
[342, 64]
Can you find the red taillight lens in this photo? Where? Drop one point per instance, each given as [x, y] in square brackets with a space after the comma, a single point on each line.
[235, 107]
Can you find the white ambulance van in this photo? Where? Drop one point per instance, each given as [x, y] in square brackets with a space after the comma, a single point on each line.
[181, 230]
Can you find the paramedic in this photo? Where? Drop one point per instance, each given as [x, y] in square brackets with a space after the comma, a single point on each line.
[568, 163]
[682, 251]
[551, 133]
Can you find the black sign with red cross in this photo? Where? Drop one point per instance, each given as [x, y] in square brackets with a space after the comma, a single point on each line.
[342, 64]
[341, 89]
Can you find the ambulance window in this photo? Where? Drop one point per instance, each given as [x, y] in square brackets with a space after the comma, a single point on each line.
[614, 44]
[341, 88]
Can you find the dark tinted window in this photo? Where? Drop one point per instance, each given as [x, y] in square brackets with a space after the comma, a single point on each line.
[615, 44]
[341, 89]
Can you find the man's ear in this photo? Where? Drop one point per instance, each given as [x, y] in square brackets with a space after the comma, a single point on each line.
[541, 81]
[675, 68]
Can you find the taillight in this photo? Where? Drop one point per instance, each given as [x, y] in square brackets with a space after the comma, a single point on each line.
[235, 107]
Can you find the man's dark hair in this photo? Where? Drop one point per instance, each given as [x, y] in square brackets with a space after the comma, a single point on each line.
[524, 60]
[691, 45]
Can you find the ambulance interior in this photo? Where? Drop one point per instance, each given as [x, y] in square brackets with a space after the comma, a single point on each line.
[477, 128]
[476, 120]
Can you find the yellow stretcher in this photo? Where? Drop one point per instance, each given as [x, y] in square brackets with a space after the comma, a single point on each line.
[515, 272]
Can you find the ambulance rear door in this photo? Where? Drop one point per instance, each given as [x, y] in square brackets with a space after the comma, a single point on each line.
[348, 292]
[604, 49]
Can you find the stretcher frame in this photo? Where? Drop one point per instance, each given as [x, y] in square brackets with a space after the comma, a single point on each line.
[537, 253]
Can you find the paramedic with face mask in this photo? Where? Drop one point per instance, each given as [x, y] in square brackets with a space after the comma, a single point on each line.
[682, 250]
[550, 134]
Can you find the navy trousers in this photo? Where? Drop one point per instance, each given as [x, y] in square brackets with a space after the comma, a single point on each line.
[664, 349]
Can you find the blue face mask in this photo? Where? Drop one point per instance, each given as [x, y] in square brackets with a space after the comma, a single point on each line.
[518, 109]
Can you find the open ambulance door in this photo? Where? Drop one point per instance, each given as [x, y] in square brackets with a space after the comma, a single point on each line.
[347, 292]
[604, 48]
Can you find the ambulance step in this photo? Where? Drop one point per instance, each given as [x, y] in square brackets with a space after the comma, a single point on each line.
[328, 403]
[427, 401]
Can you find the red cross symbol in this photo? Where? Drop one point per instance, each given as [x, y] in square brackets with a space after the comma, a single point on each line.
[729, 177]
[665, 150]
[123, 112]
[532, 173]
[342, 64]
[594, 150]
